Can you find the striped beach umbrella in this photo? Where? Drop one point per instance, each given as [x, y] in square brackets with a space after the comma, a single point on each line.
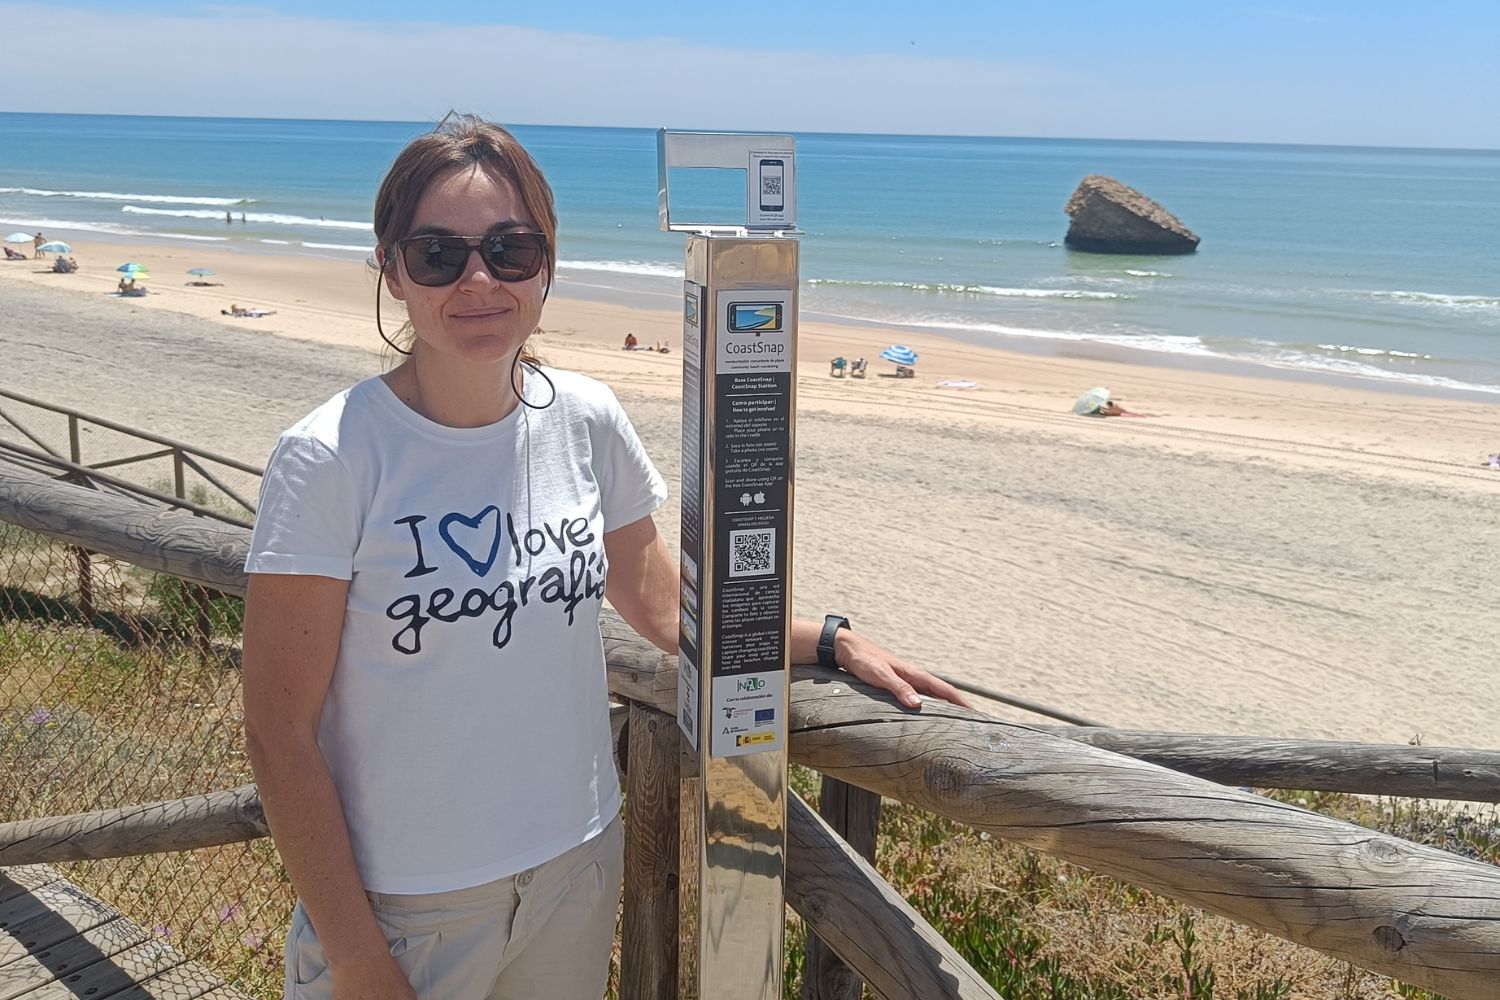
[899, 354]
[131, 267]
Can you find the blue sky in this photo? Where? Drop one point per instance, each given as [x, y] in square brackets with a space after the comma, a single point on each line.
[1373, 73]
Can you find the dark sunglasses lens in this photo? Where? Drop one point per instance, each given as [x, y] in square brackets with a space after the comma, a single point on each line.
[436, 260]
[516, 257]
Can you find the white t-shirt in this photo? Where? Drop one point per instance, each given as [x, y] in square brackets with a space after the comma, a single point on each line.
[467, 722]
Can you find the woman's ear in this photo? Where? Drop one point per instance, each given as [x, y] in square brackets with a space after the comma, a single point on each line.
[391, 272]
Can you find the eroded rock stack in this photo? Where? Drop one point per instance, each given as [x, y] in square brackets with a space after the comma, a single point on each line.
[1110, 217]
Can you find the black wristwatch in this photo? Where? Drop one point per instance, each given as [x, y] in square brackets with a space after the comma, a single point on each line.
[831, 625]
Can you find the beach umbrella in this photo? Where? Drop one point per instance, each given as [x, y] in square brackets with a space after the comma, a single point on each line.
[201, 272]
[56, 246]
[1091, 402]
[19, 238]
[131, 267]
[899, 354]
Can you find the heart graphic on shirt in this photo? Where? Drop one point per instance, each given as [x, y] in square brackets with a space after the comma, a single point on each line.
[473, 524]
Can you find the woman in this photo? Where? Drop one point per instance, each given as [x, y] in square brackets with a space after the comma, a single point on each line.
[425, 699]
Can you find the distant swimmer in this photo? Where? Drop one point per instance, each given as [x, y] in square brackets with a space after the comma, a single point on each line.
[242, 216]
[228, 218]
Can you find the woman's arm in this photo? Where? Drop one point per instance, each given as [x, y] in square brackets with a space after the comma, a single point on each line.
[293, 625]
[643, 587]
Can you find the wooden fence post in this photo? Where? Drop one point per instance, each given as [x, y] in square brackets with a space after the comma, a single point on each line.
[648, 939]
[854, 814]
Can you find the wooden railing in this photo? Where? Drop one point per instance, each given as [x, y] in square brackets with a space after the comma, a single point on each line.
[1419, 914]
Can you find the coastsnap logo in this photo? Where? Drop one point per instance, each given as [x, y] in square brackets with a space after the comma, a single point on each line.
[750, 684]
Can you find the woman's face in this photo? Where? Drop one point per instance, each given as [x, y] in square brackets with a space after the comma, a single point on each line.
[478, 318]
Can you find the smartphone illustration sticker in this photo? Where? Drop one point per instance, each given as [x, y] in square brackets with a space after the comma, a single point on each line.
[757, 316]
[772, 177]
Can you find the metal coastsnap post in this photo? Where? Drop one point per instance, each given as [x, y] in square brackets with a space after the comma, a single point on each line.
[739, 335]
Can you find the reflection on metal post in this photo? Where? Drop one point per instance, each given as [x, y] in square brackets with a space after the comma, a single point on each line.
[739, 359]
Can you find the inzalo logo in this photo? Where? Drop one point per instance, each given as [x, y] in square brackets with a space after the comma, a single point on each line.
[750, 684]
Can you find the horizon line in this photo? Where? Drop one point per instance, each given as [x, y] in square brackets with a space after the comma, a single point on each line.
[915, 135]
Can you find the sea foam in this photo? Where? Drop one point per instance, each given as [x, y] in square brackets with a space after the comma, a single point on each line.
[166, 199]
[625, 267]
[958, 289]
[270, 218]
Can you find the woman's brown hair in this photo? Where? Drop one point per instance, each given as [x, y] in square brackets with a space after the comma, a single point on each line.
[458, 141]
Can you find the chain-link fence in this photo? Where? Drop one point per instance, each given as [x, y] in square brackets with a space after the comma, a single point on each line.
[120, 686]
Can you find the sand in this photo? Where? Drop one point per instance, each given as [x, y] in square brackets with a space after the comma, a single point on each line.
[1263, 554]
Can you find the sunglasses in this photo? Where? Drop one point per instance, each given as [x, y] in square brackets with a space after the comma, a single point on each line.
[434, 261]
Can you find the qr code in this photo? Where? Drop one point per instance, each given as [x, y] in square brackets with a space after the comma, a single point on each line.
[752, 553]
[770, 184]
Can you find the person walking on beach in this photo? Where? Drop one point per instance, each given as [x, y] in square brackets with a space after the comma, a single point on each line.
[36, 244]
[426, 707]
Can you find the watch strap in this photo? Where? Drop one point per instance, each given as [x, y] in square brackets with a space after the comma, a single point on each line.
[831, 625]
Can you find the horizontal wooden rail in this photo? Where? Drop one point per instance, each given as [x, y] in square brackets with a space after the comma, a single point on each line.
[226, 817]
[232, 463]
[1314, 765]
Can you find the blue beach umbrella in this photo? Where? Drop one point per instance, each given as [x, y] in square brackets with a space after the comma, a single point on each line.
[19, 238]
[56, 246]
[131, 267]
[899, 354]
[201, 272]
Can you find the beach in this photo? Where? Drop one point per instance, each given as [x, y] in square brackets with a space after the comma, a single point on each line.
[1263, 553]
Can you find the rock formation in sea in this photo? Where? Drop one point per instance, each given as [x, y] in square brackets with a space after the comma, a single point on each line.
[1110, 217]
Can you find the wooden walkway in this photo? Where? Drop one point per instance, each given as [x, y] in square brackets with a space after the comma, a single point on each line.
[59, 943]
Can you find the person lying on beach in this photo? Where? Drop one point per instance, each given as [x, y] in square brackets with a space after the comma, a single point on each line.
[425, 701]
[14, 254]
[235, 310]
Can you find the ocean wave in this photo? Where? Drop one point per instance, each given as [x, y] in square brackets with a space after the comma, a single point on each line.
[1302, 361]
[625, 267]
[1439, 299]
[1373, 352]
[1258, 352]
[956, 289]
[107, 228]
[271, 218]
[166, 199]
[1146, 274]
[335, 246]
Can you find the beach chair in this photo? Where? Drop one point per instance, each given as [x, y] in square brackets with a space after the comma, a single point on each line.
[836, 367]
[857, 369]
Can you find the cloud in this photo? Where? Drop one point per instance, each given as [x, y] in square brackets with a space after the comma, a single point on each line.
[228, 61]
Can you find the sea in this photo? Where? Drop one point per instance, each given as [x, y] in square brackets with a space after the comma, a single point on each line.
[1374, 263]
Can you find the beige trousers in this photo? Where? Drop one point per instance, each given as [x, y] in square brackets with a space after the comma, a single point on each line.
[544, 933]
